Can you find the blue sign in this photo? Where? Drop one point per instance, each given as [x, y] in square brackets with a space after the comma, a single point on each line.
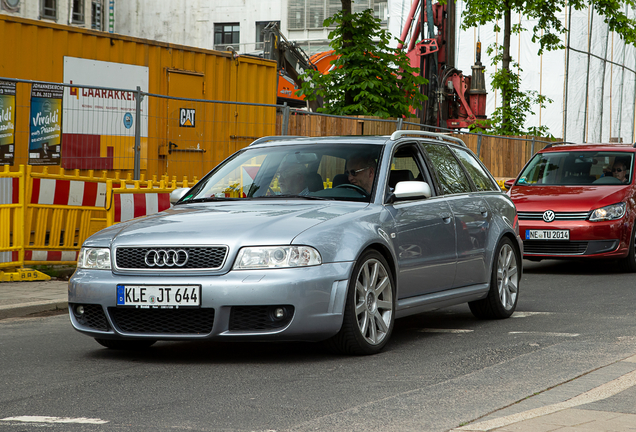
[120, 295]
[128, 120]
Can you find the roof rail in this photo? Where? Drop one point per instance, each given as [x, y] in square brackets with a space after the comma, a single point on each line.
[400, 133]
[558, 143]
[275, 138]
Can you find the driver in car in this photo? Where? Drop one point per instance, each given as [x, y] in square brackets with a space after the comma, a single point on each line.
[360, 171]
[619, 171]
[292, 179]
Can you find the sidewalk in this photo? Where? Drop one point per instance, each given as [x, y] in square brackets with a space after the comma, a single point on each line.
[20, 299]
[600, 401]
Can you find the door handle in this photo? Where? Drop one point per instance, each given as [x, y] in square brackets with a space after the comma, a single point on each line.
[446, 217]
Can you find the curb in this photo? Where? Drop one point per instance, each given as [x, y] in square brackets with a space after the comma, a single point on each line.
[24, 309]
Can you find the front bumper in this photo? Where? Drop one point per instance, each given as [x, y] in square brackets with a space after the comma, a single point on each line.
[313, 298]
[608, 239]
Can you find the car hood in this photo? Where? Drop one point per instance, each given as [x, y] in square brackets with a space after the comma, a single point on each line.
[224, 223]
[566, 198]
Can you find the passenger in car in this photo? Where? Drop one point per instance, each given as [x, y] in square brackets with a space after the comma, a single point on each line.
[360, 171]
[619, 171]
[292, 179]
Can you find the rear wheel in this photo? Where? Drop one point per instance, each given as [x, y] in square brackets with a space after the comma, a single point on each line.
[125, 344]
[502, 297]
[628, 263]
[370, 308]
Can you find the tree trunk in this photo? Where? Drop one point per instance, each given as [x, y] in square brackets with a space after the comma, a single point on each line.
[347, 35]
[505, 64]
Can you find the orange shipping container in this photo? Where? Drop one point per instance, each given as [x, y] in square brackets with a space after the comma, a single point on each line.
[178, 137]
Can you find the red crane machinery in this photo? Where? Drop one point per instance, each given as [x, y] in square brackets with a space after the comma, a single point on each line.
[454, 101]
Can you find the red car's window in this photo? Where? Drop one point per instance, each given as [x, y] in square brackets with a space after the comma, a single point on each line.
[579, 168]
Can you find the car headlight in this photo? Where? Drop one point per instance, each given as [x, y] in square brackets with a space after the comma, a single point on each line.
[610, 212]
[94, 258]
[276, 257]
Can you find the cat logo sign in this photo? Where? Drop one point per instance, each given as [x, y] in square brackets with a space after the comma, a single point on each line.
[186, 117]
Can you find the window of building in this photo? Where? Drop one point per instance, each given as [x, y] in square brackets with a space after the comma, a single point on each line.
[226, 34]
[97, 15]
[77, 11]
[48, 9]
[11, 5]
[260, 37]
[310, 14]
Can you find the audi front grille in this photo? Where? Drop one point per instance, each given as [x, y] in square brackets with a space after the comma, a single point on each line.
[163, 321]
[170, 258]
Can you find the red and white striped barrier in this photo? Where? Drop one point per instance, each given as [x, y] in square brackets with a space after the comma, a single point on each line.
[9, 190]
[129, 206]
[36, 255]
[68, 192]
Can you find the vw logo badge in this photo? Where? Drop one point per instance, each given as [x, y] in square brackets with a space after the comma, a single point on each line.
[548, 216]
[167, 258]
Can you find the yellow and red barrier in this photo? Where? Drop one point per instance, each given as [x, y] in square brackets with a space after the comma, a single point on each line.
[45, 218]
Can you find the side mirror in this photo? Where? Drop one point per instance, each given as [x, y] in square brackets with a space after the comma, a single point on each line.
[177, 194]
[509, 183]
[412, 190]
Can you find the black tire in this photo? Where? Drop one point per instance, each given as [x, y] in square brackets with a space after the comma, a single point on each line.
[628, 264]
[369, 310]
[503, 294]
[129, 345]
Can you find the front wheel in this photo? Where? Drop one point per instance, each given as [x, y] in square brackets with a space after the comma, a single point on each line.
[628, 263]
[370, 308]
[502, 297]
[129, 345]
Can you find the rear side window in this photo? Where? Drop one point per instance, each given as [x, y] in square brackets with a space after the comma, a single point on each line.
[450, 173]
[481, 179]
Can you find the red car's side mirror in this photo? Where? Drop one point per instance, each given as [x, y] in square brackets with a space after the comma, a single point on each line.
[508, 183]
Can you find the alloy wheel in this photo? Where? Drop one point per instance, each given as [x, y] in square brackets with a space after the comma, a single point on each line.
[507, 277]
[373, 301]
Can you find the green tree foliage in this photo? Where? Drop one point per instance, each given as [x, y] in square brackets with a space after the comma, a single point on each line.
[369, 77]
[547, 32]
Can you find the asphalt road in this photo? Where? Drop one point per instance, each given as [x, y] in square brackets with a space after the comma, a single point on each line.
[440, 370]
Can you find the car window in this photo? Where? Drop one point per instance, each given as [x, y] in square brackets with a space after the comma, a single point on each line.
[450, 174]
[482, 180]
[578, 168]
[307, 171]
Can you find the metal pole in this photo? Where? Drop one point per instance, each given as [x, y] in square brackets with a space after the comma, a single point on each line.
[285, 125]
[532, 148]
[138, 99]
[479, 144]
[399, 124]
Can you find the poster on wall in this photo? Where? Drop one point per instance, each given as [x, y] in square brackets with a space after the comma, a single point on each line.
[45, 127]
[100, 114]
[7, 122]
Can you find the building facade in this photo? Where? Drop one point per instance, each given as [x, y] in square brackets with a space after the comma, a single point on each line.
[90, 14]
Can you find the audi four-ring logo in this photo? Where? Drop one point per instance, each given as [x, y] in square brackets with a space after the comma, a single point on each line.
[168, 258]
[548, 216]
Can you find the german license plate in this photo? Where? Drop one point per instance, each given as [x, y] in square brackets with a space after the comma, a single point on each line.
[149, 296]
[547, 234]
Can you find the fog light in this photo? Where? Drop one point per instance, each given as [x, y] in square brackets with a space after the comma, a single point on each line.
[279, 313]
[79, 310]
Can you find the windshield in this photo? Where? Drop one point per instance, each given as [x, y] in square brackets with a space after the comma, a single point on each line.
[308, 171]
[578, 168]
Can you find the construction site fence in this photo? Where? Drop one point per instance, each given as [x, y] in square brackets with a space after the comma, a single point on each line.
[143, 134]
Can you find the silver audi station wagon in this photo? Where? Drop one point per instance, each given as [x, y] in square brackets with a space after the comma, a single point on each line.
[317, 239]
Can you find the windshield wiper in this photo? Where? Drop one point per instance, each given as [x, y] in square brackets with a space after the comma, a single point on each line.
[210, 199]
[309, 197]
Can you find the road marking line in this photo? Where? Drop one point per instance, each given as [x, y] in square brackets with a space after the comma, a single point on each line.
[434, 330]
[599, 393]
[527, 314]
[44, 419]
[545, 333]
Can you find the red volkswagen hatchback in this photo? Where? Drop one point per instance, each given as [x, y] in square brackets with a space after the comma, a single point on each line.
[578, 201]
